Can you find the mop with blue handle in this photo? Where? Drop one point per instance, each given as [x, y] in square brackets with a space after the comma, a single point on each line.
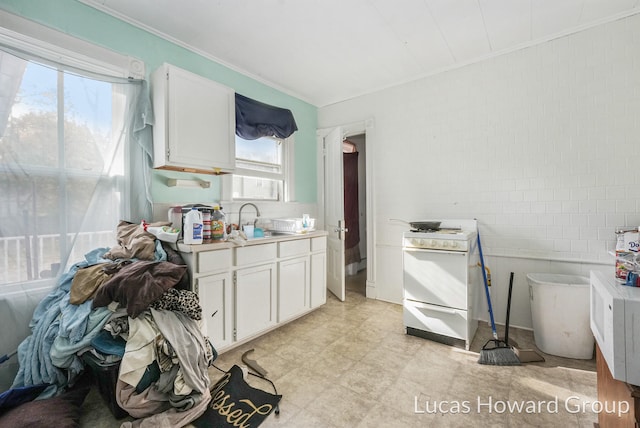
[495, 352]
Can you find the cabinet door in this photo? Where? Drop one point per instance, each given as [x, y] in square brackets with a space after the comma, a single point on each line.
[318, 279]
[214, 292]
[293, 287]
[196, 118]
[255, 291]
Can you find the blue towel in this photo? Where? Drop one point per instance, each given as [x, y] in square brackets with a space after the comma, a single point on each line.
[60, 329]
[106, 344]
[54, 316]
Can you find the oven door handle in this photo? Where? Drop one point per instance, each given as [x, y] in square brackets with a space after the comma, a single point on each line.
[443, 310]
[433, 250]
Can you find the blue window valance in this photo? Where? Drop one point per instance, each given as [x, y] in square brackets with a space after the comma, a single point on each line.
[255, 119]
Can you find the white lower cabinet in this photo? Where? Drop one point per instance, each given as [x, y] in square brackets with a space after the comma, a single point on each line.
[216, 300]
[293, 287]
[318, 281]
[247, 291]
[255, 292]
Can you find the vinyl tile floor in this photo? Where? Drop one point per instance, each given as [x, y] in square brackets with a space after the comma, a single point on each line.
[351, 364]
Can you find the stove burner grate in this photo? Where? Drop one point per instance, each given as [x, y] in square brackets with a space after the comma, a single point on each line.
[440, 230]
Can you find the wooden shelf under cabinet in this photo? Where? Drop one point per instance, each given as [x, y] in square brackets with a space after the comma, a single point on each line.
[613, 390]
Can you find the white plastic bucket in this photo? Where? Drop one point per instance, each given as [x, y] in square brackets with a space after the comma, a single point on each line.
[560, 314]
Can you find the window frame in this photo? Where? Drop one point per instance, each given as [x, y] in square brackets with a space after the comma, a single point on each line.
[48, 43]
[44, 44]
[287, 190]
[65, 243]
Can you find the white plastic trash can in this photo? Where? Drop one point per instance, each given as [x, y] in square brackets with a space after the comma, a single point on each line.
[560, 314]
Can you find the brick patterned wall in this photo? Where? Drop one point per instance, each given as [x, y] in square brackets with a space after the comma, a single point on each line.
[541, 145]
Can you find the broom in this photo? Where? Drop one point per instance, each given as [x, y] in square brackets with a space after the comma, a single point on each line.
[495, 352]
[7, 356]
[524, 355]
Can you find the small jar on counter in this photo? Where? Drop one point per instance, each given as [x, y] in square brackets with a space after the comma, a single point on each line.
[206, 225]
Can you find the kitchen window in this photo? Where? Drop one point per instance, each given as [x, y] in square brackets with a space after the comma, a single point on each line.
[69, 137]
[263, 169]
[52, 151]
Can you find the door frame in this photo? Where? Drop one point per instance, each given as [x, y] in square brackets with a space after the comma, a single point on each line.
[366, 127]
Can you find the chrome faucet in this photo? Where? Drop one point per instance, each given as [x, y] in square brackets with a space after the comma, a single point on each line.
[240, 214]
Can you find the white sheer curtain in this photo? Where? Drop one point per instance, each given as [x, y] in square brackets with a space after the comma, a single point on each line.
[75, 158]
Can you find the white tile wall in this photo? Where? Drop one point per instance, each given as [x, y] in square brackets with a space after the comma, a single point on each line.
[268, 210]
[541, 145]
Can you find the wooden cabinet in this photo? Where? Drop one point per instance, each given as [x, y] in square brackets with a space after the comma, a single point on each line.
[255, 292]
[255, 254]
[247, 291]
[255, 289]
[616, 393]
[318, 280]
[194, 126]
[216, 300]
[293, 278]
[210, 273]
[208, 262]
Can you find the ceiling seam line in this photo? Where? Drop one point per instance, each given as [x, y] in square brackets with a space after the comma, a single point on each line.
[530, 20]
[426, 3]
[581, 12]
[484, 25]
[400, 39]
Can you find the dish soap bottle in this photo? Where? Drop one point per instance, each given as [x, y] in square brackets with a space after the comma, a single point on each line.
[218, 224]
[193, 226]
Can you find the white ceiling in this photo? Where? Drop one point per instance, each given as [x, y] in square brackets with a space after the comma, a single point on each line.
[326, 51]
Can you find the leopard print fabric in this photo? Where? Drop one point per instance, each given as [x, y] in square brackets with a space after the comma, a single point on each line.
[184, 301]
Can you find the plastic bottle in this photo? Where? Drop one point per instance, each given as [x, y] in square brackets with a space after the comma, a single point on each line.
[206, 225]
[193, 227]
[218, 224]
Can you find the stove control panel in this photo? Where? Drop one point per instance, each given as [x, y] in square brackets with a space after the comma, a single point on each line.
[436, 244]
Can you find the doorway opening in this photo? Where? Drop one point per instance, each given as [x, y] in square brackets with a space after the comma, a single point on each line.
[355, 212]
[332, 203]
[357, 284]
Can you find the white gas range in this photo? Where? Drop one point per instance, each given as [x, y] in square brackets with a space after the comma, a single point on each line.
[440, 279]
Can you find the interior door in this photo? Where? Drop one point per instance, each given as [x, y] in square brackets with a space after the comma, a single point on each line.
[334, 211]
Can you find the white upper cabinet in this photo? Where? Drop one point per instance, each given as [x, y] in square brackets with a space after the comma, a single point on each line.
[194, 127]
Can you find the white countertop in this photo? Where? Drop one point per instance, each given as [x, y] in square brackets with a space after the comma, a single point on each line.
[218, 245]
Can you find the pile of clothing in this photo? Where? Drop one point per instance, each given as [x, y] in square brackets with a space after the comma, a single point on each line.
[131, 305]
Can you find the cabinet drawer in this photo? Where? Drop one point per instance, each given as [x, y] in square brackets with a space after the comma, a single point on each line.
[293, 248]
[318, 244]
[213, 261]
[255, 254]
